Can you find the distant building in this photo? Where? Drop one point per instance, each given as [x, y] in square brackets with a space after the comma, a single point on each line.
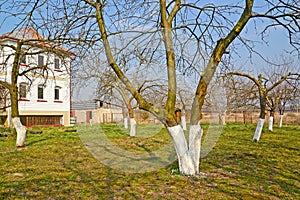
[96, 112]
[41, 101]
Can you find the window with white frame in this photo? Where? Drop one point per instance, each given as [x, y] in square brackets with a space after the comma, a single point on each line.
[23, 90]
[41, 91]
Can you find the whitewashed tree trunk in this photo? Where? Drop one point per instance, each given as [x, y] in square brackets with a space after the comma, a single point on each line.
[222, 118]
[132, 127]
[270, 123]
[21, 132]
[185, 162]
[126, 123]
[258, 130]
[183, 122]
[9, 117]
[280, 121]
[195, 136]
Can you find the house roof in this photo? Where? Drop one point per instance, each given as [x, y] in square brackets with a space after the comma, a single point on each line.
[84, 105]
[92, 105]
[33, 38]
[26, 33]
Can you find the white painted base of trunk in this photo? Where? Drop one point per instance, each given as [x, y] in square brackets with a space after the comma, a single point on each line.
[9, 120]
[270, 124]
[222, 119]
[185, 162]
[280, 121]
[183, 122]
[258, 130]
[132, 127]
[195, 135]
[126, 123]
[21, 132]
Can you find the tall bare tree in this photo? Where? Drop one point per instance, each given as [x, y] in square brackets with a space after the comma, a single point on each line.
[285, 93]
[241, 94]
[110, 88]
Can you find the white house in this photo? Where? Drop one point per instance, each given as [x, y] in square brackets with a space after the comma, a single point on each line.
[44, 94]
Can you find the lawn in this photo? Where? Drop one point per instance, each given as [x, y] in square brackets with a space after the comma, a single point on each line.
[57, 165]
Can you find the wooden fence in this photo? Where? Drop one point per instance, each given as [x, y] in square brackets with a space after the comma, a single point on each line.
[289, 118]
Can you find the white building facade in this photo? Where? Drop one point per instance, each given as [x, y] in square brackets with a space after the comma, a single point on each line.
[44, 90]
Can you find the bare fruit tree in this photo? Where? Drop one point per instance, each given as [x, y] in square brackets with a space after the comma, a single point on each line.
[284, 94]
[188, 154]
[264, 88]
[109, 88]
[241, 94]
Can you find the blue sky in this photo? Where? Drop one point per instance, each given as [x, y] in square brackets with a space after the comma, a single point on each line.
[278, 43]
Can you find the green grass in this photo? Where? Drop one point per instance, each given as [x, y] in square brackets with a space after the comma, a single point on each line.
[56, 165]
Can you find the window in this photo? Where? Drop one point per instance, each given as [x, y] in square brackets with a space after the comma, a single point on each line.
[56, 63]
[40, 92]
[23, 60]
[23, 90]
[40, 60]
[56, 92]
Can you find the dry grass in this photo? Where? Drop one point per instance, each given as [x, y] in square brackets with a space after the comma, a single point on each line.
[56, 165]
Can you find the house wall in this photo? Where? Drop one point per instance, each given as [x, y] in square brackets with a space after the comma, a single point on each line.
[80, 116]
[100, 115]
[47, 106]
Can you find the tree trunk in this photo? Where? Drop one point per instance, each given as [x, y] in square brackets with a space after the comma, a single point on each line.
[280, 121]
[183, 122]
[271, 120]
[222, 118]
[125, 122]
[262, 115]
[8, 119]
[195, 136]
[21, 132]
[19, 128]
[270, 123]
[131, 121]
[258, 130]
[125, 119]
[185, 161]
[132, 127]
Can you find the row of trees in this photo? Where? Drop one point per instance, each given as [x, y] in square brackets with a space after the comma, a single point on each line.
[270, 98]
[274, 90]
[171, 36]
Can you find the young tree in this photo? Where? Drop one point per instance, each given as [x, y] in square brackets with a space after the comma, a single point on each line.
[110, 88]
[264, 88]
